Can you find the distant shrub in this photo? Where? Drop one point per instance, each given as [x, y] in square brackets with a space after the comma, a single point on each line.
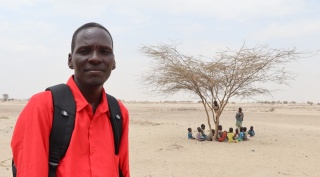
[5, 97]
[310, 103]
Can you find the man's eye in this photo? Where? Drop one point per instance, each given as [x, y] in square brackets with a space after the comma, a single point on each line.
[106, 52]
[84, 51]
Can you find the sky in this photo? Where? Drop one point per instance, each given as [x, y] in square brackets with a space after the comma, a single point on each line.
[35, 38]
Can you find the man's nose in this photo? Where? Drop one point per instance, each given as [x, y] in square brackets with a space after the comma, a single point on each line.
[95, 57]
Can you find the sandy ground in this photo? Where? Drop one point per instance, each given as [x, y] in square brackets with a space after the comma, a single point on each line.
[287, 141]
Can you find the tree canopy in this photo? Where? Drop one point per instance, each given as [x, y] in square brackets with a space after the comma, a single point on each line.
[230, 73]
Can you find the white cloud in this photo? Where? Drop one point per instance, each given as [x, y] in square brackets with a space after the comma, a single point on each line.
[289, 30]
[35, 34]
[79, 9]
[227, 9]
[17, 4]
[231, 9]
[190, 28]
[27, 36]
[133, 15]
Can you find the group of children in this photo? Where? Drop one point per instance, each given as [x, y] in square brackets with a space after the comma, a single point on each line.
[201, 136]
[240, 134]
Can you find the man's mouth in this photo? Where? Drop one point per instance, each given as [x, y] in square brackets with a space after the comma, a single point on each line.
[93, 70]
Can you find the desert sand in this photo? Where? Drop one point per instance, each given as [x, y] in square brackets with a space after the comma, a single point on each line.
[287, 140]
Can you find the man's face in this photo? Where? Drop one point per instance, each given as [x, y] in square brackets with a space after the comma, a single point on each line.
[92, 58]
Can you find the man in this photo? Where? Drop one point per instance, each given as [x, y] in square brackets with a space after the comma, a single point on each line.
[91, 149]
[239, 119]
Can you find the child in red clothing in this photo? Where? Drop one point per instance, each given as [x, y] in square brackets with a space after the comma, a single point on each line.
[223, 137]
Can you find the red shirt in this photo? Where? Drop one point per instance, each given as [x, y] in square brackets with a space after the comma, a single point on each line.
[91, 149]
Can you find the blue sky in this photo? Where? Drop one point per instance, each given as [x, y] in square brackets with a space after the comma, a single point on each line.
[35, 37]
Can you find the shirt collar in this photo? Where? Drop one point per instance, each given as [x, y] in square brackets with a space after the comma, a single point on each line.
[81, 102]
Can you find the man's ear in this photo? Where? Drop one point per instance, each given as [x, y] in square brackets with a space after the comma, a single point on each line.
[70, 61]
[114, 65]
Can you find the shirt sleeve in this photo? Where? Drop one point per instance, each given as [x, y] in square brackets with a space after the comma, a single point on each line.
[124, 143]
[30, 139]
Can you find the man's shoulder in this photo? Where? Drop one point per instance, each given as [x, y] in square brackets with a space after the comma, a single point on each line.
[39, 106]
[41, 97]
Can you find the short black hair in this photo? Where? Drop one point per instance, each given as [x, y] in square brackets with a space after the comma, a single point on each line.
[85, 26]
[231, 129]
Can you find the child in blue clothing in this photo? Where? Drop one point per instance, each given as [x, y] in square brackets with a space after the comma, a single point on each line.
[202, 131]
[251, 132]
[190, 137]
[241, 135]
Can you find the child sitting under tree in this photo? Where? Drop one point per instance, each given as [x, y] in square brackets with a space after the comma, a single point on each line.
[230, 136]
[199, 135]
[190, 137]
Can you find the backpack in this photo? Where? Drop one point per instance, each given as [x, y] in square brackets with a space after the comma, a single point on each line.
[64, 119]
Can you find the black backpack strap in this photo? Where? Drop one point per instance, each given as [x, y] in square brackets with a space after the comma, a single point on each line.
[116, 121]
[64, 107]
[14, 169]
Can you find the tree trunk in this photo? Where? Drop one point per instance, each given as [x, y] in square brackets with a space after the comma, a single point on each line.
[209, 124]
[216, 129]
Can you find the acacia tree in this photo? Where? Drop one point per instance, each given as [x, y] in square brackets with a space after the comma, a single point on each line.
[230, 73]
